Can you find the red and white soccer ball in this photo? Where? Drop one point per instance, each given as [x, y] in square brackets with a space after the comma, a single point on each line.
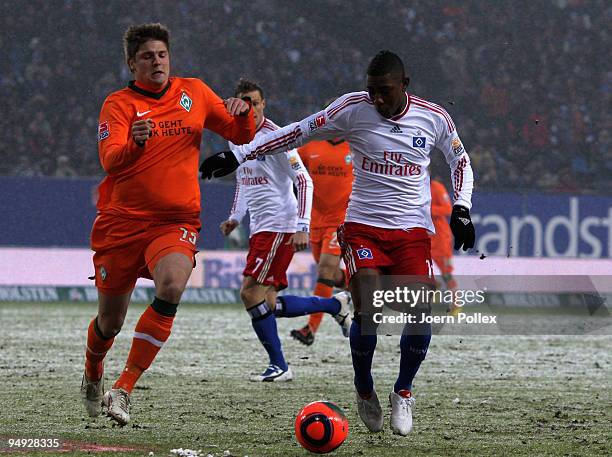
[321, 426]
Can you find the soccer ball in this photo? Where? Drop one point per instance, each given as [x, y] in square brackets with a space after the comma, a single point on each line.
[321, 426]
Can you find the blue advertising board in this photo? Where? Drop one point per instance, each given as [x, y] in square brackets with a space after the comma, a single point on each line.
[536, 225]
[60, 212]
[42, 211]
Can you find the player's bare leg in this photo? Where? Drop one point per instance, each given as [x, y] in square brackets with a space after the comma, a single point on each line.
[259, 301]
[170, 275]
[100, 336]
[362, 350]
[328, 274]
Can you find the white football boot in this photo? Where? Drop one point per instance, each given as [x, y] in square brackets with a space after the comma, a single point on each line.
[91, 394]
[401, 413]
[117, 402]
[273, 374]
[370, 412]
[343, 317]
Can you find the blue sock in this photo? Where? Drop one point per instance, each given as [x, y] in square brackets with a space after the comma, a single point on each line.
[264, 324]
[292, 306]
[414, 350]
[362, 352]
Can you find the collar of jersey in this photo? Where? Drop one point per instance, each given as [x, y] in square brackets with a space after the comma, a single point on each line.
[147, 93]
[404, 111]
[263, 121]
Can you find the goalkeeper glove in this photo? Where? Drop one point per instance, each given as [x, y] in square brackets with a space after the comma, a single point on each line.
[218, 165]
[462, 228]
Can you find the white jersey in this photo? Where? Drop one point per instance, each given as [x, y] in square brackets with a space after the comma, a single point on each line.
[390, 156]
[264, 187]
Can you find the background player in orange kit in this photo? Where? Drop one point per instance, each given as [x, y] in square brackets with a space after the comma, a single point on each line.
[330, 167]
[149, 204]
[441, 242]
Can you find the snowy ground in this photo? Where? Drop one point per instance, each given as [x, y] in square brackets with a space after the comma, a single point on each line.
[476, 395]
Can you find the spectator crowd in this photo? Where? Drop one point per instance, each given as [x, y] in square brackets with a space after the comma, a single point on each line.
[527, 83]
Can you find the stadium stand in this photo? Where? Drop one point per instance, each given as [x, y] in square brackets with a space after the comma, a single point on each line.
[525, 81]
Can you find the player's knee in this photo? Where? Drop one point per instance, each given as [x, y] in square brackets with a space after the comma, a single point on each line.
[327, 272]
[249, 297]
[110, 325]
[170, 290]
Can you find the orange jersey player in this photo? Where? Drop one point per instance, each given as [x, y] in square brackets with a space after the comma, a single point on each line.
[441, 242]
[149, 205]
[157, 180]
[330, 167]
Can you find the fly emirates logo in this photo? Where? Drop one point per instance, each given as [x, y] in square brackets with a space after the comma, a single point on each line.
[394, 164]
[250, 180]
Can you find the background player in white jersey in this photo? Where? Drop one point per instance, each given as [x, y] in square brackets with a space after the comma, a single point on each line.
[264, 187]
[391, 135]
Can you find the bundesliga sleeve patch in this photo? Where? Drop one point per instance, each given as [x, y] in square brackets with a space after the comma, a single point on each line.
[316, 123]
[294, 163]
[457, 146]
[103, 131]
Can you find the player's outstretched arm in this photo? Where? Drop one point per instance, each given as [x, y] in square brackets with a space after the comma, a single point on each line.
[231, 118]
[318, 126]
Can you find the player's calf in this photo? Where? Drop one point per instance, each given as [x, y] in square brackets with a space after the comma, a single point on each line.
[338, 306]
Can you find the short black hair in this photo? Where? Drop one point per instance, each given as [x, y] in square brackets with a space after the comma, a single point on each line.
[136, 35]
[386, 62]
[246, 85]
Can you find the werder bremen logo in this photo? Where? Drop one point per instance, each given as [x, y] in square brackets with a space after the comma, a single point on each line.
[186, 102]
[103, 273]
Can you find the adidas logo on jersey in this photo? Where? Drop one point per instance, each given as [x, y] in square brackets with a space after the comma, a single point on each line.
[396, 129]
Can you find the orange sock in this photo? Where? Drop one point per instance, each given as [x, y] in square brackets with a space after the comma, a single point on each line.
[97, 347]
[321, 290]
[152, 331]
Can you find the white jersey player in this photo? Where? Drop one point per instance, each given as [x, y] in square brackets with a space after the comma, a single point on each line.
[264, 187]
[391, 188]
[280, 224]
[391, 135]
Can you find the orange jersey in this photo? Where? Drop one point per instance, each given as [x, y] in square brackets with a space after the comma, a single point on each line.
[330, 167]
[441, 209]
[160, 179]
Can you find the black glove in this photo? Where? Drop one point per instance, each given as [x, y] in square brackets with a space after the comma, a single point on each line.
[218, 165]
[462, 228]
